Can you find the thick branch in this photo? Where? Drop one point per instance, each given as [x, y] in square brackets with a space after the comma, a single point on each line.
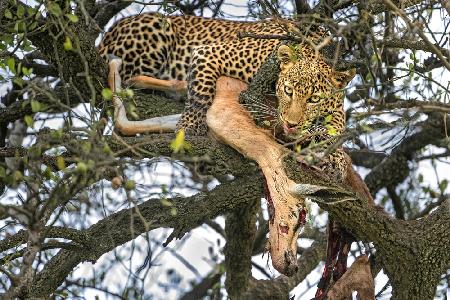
[240, 228]
[401, 244]
[82, 67]
[394, 168]
[108, 9]
[280, 287]
[127, 224]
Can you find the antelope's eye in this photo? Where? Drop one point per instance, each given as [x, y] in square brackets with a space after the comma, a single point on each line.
[314, 99]
[288, 90]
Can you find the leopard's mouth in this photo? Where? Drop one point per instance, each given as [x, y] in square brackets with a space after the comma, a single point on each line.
[288, 130]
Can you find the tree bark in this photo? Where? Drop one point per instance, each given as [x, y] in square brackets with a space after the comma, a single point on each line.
[115, 229]
[240, 228]
[414, 253]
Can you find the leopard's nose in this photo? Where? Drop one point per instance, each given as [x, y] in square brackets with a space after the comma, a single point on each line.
[291, 124]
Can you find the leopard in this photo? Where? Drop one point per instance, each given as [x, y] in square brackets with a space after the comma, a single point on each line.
[200, 50]
[311, 104]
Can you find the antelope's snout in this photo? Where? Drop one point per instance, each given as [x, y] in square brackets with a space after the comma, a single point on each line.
[290, 263]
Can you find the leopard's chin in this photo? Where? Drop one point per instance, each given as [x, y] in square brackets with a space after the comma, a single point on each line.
[292, 136]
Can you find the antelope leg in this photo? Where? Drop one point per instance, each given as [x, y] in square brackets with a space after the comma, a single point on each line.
[232, 124]
[121, 122]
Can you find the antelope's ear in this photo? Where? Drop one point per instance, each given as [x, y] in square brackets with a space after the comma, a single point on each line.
[285, 55]
[341, 79]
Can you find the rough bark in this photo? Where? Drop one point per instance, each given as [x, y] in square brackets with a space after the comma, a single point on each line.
[115, 230]
[81, 67]
[395, 168]
[415, 249]
[414, 253]
[240, 228]
[281, 286]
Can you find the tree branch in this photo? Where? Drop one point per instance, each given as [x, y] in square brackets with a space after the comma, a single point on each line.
[240, 228]
[394, 168]
[127, 224]
[108, 9]
[280, 287]
[398, 242]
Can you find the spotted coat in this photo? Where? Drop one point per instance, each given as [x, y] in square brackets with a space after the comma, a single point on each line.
[200, 50]
[189, 48]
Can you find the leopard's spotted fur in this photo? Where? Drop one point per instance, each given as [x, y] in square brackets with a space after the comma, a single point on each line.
[311, 105]
[200, 50]
[189, 48]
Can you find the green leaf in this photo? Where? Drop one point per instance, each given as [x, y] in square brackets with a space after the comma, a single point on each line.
[366, 128]
[266, 123]
[19, 81]
[2, 172]
[173, 211]
[8, 14]
[60, 163]
[328, 118]
[47, 173]
[35, 106]
[17, 176]
[72, 18]
[54, 9]
[107, 94]
[331, 130]
[11, 64]
[107, 149]
[29, 121]
[129, 185]
[131, 109]
[179, 144]
[166, 202]
[20, 11]
[68, 44]
[57, 134]
[32, 26]
[82, 167]
[129, 93]
[26, 71]
[8, 39]
[86, 147]
[443, 185]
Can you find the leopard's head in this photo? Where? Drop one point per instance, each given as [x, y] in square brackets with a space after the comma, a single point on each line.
[308, 89]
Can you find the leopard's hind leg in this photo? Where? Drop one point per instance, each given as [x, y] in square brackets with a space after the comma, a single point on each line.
[147, 82]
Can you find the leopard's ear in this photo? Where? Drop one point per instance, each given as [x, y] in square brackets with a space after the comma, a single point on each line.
[285, 55]
[342, 78]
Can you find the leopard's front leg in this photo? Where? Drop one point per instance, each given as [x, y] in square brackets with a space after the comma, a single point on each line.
[208, 63]
[202, 76]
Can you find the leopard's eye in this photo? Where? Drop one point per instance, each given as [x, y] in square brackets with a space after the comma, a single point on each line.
[288, 90]
[314, 99]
